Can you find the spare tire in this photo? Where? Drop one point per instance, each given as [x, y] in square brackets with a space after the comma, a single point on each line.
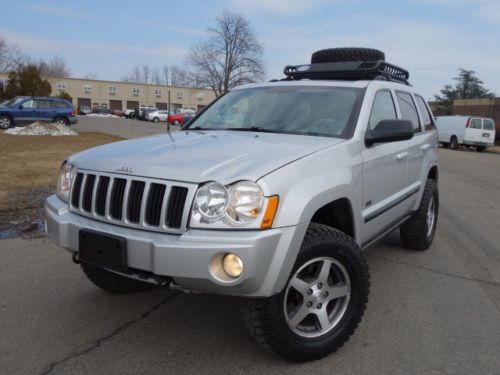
[346, 55]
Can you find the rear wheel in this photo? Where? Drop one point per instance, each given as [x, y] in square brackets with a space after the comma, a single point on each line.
[322, 303]
[113, 283]
[156, 119]
[418, 232]
[453, 143]
[5, 122]
[177, 122]
[480, 148]
[61, 121]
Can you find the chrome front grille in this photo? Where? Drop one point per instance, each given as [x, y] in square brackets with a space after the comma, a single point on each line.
[136, 202]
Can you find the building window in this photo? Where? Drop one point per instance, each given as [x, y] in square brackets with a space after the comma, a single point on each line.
[61, 85]
[200, 95]
[3, 84]
[112, 90]
[135, 91]
[180, 94]
[87, 89]
[157, 92]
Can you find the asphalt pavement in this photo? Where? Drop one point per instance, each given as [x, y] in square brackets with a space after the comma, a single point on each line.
[432, 312]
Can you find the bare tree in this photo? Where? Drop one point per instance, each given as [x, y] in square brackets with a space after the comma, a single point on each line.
[155, 77]
[135, 75]
[165, 74]
[146, 73]
[230, 56]
[56, 67]
[179, 77]
[90, 75]
[11, 57]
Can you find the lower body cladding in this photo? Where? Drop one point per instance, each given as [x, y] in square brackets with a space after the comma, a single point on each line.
[193, 260]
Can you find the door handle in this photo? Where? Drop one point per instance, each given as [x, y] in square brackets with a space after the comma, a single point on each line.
[425, 147]
[401, 155]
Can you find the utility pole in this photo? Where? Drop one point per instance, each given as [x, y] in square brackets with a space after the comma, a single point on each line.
[168, 112]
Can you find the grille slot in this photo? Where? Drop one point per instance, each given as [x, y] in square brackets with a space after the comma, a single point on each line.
[75, 198]
[154, 204]
[117, 195]
[87, 193]
[135, 201]
[176, 203]
[101, 194]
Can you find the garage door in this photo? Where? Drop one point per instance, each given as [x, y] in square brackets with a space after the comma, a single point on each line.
[83, 101]
[131, 104]
[162, 106]
[115, 104]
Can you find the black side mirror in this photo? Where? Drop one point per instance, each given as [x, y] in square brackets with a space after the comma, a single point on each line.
[21, 107]
[390, 131]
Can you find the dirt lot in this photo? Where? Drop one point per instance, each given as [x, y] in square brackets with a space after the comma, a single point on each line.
[29, 166]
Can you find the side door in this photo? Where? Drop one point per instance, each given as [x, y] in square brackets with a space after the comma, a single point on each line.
[418, 145]
[26, 114]
[45, 110]
[385, 174]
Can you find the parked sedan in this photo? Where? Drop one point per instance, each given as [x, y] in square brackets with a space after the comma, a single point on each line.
[84, 110]
[176, 119]
[117, 112]
[157, 116]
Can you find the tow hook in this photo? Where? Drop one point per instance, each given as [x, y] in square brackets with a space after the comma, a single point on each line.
[75, 258]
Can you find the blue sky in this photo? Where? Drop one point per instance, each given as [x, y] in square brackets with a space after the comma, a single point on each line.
[431, 38]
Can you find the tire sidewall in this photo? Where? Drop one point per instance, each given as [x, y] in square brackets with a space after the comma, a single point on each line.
[431, 191]
[8, 119]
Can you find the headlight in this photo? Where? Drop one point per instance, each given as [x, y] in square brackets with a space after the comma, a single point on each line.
[242, 204]
[64, 182]
[211, 202]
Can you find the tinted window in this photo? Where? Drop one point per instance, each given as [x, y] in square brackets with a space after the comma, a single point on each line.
[424, 112]
[29, 104]
[44, 104]
[382, 109]
[475, 123]
[408, 110]
[308, 110]
[61, 104]
[488, 125]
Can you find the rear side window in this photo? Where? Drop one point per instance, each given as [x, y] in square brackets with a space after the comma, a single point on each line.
[383, 109]
[424, 112]
[488, 125]
[475, 123]
[408, 110]
[44, 104]
[60, 104]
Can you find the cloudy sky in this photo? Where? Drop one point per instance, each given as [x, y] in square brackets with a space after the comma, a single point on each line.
[431, 38]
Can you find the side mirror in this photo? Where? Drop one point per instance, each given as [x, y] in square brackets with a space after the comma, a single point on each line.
[21, 107]
[390, 131]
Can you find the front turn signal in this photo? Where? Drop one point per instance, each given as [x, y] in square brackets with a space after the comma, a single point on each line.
[271, 209]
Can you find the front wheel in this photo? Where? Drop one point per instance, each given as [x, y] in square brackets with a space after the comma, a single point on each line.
[62, 121]
[453, 143]
[5, 122]
[156, 119]
[322, 303]
[177, 122]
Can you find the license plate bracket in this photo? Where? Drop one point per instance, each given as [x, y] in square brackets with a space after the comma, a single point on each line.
[102, 250]
[486, 135]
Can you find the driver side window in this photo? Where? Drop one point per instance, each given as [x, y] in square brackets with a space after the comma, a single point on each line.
[382, 109]
[29, 104]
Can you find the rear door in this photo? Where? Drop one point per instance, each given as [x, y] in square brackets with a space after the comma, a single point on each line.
[385, 173]
[45, 110]
[473, 133]
[488, 133]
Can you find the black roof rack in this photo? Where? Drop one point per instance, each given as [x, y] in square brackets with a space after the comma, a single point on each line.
[350, 71]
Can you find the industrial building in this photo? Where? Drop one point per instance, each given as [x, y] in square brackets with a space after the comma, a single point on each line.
[125, 95]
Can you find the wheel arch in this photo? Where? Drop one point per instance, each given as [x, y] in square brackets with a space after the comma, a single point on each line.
[337, 214]
[433, 173]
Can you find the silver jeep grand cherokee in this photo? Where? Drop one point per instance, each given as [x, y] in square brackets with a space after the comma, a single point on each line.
[271, 194]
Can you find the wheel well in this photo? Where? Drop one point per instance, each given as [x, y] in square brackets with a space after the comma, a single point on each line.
[338, 215]
[433, 173]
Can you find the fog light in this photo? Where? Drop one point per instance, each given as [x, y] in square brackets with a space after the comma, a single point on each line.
[232, 265]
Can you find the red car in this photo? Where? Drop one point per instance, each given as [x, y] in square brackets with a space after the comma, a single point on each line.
[117, 112]
[176, 119]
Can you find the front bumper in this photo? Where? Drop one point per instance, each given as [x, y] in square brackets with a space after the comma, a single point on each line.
[268, 255]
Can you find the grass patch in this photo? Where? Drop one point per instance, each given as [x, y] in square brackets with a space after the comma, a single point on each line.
[31, 164]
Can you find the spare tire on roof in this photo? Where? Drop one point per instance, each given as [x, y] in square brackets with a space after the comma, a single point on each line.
[346, 54]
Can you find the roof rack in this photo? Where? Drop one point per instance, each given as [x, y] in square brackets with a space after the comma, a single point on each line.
[350, 71]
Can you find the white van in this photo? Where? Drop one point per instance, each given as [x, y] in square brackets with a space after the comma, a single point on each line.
[467, 131]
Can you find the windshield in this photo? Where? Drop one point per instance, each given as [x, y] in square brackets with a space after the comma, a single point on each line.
[307, 110]
[13, 102]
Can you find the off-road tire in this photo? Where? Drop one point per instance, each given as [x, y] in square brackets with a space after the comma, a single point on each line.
[265, 317]
[114, 283]
[5, 122]
[480, 148]
[453, 143]
[413, 233]
[346, 55]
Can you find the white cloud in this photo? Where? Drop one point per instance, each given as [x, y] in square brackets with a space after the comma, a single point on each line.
[284, 7]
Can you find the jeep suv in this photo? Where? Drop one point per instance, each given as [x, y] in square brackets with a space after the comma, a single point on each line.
[24, 110]
[271, 194]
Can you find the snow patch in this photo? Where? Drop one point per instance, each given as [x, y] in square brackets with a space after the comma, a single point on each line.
[40, 128]
[109, 115]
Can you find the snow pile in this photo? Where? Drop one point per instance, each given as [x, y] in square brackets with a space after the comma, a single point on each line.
[40, 128]
[102, 115]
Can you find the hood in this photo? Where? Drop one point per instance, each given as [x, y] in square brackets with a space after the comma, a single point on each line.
[199, 156]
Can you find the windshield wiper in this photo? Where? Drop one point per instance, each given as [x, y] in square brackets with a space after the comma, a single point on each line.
[255, 129]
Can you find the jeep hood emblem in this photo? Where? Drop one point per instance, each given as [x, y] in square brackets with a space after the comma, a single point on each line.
[125, 169]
